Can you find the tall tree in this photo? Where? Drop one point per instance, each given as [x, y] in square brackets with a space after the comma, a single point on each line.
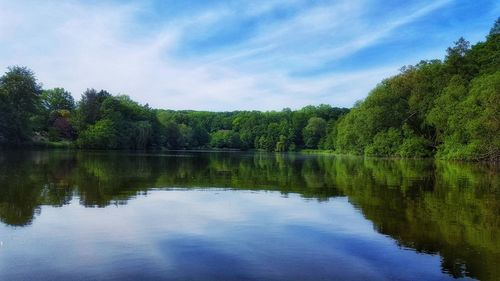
[495, 30]
[314, 131]
[19, 101]
[89, 108]
[56, 99]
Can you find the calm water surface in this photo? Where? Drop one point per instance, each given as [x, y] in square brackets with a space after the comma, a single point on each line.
[241, 216]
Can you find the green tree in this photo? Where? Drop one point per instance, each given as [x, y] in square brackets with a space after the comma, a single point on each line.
[57, 98]
[143, 133]
[19, 102]
[172, 136]
[457, 60]
[474, 128]
[495, 30]
[200, 136]
[314, 131]
[89, 108]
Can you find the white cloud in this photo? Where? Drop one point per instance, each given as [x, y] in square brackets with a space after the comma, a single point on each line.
[77, 45]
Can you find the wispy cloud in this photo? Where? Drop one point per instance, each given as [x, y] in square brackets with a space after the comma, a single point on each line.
[235, 55]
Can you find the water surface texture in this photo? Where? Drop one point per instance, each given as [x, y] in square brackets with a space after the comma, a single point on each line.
[245, 216]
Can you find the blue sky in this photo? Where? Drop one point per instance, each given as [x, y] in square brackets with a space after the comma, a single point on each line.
[228, 55]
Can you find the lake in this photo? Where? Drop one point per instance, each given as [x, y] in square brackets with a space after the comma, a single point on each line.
[74, 215]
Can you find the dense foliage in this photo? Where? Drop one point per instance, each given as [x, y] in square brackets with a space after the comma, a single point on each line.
[450, 108]
[285, 130]
[19, 99]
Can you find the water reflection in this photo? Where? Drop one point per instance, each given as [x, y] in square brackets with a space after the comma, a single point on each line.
[450, 209]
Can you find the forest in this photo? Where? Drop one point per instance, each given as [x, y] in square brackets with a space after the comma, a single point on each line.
[448, 109]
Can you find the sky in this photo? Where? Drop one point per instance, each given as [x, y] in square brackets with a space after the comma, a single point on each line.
[232, 55]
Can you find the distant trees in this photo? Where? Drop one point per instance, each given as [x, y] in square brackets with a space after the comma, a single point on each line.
[115, 122]
[270, 131]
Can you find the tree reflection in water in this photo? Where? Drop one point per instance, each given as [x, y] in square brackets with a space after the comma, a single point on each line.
[452, 209]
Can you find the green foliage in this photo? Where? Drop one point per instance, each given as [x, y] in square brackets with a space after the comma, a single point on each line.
[56, 99]
[172, 136]
[385, 143]
[450, 108]
[19, 102]
[314, 132]
[225, 139]
[101, 135]
[121, 124]
[89, 108]
[446, 104]
[414, 147]
[474, 128]
[199, 137]
[142, 134]
[270, 131]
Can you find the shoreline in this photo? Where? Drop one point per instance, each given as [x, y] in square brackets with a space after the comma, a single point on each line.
[320, 152]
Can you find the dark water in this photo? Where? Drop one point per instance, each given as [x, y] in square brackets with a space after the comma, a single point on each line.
[240, 216]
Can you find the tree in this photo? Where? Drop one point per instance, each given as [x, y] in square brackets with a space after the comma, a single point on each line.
[57, 98]
[143, 133]
[89, 108]
[19, 102]
[172, 135]
[200, 136]
[314, 132]
[495, 30]
[456, 58]
[60, 126]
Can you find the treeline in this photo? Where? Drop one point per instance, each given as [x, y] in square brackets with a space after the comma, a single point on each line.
[30, 114]
[450, 108]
